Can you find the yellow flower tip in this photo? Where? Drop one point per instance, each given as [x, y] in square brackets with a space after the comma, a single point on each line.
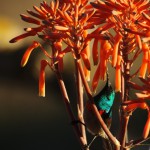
[42, 93]
[141, 77]
[117, 90]
[88, 76]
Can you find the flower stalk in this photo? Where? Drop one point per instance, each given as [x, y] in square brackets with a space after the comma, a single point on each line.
[66, 100]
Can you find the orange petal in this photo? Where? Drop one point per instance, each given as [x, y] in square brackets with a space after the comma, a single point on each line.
[28, 52]
[76, 14]
[29, 19]
[47, 7]
[36, 15]
[148, 62]
[39, 11]
[86, 61]
[146, 127]
[96, 78]
[147, 17]
[67, 17]
[22, 36]
[87, 73]
[134, 106]
[118, 75]
[145, 47]
[85, 54]
[138, 40]
[144, 65]
[61, 28]
[56, 5]
[78, 2]
[144, 96]
[103, 69]
[95, 51]
[144, 6]
[42, 78]
[118, 38]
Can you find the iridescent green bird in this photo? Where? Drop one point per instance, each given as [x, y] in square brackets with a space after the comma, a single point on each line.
[103, 101]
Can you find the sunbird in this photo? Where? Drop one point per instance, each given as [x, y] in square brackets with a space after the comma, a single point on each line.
[103, 101]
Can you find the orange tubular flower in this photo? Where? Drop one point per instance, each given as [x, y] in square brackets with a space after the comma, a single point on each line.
[132, 107]
[61, 22]
[95, 51]
[28, 52]
[105, 52]
[148, 63]
[146, 127]
[115, 51]
[118, 74]
[144, 65]
[85, 55]
[44, 63]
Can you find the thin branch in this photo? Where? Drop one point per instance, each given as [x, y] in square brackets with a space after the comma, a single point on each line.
[80, 104]
[69, 110]
[125, 92]
[125, 120]
[136, 142]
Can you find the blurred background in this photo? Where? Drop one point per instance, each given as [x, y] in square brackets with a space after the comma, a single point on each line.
[27, 121]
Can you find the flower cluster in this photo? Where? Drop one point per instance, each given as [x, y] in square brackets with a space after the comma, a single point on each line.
[130, 22]
[62, 22]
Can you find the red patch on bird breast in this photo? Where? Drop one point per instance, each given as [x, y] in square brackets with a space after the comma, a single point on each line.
[101, 111]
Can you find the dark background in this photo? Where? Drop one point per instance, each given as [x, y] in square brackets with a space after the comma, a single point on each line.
[27, 121]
